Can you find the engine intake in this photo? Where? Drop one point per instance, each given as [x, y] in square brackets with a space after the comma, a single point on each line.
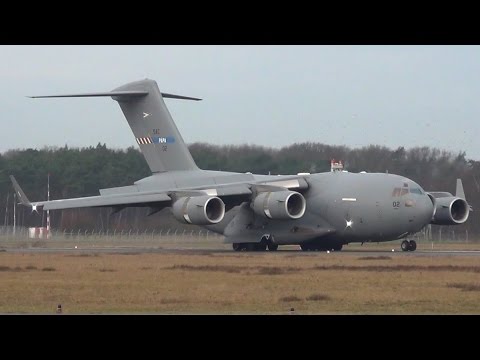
[450, 211]
[199, 210]
[280, 205]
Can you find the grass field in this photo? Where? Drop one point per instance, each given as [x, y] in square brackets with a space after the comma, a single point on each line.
[209, 282]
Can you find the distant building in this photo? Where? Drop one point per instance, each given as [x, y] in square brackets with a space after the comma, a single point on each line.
[336, 165]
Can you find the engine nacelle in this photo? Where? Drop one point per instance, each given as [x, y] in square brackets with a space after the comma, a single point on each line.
[199, 210]
[450, 211]
[280, 205]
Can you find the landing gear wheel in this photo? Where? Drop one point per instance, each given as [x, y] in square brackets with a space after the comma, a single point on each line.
[337, 247]
[412, 245]
[405, 245]
[237, 246]
[272, 247]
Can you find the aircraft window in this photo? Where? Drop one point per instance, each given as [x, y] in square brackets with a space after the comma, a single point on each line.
[399, 191]
[416, 191]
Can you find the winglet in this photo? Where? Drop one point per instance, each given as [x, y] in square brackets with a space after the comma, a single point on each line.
[459, 191]
[21, 195]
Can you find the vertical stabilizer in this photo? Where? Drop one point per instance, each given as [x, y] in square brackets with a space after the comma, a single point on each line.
[153, 127]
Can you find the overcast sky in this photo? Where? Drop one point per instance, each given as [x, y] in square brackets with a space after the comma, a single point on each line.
[266, 95]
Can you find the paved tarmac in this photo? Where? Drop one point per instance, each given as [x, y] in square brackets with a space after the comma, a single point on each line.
[216, 250]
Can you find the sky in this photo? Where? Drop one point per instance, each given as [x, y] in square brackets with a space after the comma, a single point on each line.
[264, 95]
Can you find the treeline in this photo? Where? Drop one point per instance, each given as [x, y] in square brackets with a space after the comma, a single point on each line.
[81, 172]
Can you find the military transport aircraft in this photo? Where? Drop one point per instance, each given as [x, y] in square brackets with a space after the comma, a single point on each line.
[320, 211]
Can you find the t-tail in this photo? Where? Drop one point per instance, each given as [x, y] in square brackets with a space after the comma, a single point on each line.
[151, 123]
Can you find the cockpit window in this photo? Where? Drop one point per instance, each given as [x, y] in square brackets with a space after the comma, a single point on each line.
[399, 192]
[416, 191]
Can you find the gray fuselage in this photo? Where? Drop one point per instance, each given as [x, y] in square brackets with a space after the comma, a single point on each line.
[342, 207]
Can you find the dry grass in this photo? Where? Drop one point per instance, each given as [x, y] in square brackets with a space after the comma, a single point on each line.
[382, 257]
[318, 297]
[276, 270]
[49, 268]
[215, 268]
[290, 298]
[237, 283]
[465, 287]
[393, 268]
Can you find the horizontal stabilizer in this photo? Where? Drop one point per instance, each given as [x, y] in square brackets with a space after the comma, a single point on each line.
[122, 94]
[173, 96]
[110, 93]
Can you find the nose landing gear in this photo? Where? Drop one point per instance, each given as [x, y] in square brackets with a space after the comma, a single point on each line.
[409, 245]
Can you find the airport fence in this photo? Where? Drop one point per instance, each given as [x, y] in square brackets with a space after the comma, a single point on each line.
[9, 233]
[443, 235]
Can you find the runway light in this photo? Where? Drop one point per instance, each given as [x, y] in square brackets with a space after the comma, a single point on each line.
[75, 246]
[328, 252]
[393, 250]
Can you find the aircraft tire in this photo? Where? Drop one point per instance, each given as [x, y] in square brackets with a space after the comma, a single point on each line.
[405, 245]
[237, 246]
[272, 247]
[412, 246]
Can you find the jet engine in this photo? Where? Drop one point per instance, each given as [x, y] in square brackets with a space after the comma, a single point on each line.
[280, 205]
[450, 211]
[199, 210]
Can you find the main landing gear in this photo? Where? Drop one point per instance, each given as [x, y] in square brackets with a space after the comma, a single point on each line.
[409, 245]
[265, 243]
[249, 247]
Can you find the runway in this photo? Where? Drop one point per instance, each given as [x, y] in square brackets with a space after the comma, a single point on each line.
[219, 251]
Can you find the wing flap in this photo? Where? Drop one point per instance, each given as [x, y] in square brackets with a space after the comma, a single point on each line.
[105, 200]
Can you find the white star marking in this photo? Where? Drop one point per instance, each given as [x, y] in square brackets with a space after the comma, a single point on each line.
[145, 115]
[349, 223]
[34, 208]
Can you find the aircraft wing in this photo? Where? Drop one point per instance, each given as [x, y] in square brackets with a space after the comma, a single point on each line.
[105, 200]
[128, 196]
